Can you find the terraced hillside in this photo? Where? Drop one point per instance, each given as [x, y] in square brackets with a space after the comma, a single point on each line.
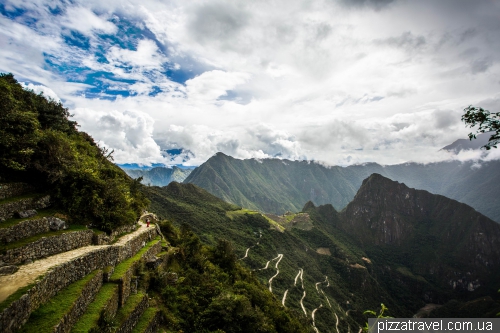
[53, 273]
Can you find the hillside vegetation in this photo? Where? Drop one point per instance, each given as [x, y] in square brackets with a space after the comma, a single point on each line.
[39, 144]
[316, 260]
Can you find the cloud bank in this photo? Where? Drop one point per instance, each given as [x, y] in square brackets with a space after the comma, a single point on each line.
[337, 81]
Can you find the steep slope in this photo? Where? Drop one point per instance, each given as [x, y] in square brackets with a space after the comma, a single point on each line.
[276, 186]
[319, 266]
[159, 176]
[434, 236]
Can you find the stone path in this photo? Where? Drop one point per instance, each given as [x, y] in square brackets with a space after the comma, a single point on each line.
[27, 274]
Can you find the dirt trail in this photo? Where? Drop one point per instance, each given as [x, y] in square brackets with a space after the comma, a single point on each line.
[27, 274]
[284, 297]
[246, 252]
[280, 256]
[312, 316]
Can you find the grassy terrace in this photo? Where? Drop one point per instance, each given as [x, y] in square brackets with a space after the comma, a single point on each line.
[49, 314]
[145, 319]
[90, 318]
[234, 213]
[132, 302]
[26, 241]
[41, 213]
[122, 267]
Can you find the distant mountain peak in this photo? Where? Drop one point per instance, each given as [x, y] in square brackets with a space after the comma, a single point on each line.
[464, 144]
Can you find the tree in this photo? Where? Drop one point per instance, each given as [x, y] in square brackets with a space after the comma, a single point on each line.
[487, 121]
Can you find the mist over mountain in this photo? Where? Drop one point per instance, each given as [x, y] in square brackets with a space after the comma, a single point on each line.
[277, 186]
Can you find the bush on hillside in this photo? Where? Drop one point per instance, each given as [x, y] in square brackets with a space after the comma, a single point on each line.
[39, 143]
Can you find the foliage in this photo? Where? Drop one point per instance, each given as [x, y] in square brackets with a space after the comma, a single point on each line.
[38, 143]
[205, 289]
[380, 315]
[487, 121]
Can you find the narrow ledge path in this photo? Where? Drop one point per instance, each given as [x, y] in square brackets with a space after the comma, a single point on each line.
[27, 274]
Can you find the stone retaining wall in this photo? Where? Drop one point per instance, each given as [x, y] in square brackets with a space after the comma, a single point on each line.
[24, 229]
[59, 277]
[8, 190]
[8, 209]
[48, 246]
[87, 295]
[128, 325]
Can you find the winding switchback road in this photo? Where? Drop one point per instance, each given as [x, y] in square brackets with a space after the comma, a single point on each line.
[279, 257]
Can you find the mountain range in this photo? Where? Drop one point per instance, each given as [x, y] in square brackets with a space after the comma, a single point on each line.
[276, 186]
[392, 244]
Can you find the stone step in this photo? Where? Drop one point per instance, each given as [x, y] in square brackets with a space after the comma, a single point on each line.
[10, 206]
[128, 316]
[9, 190]
[64, 310]
[45, 245]
[149, 322]
[22, 292]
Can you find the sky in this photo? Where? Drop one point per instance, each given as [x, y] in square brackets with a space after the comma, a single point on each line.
[339, 82]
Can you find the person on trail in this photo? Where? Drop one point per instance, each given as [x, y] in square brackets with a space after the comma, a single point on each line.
[147, 222]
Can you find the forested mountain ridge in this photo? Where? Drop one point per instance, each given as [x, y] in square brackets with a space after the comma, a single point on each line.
[276, 186]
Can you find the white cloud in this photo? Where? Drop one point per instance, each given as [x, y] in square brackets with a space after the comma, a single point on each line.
[129, 133]
[213, 84]
[326, 80]
[86, 21]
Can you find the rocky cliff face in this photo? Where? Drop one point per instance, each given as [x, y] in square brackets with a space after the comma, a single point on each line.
[433, 235]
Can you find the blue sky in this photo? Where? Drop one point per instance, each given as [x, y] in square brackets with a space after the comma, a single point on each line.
[337, 81]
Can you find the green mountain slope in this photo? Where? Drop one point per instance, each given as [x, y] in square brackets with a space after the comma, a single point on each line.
[341, 275]
[159, 176]
[276, 186]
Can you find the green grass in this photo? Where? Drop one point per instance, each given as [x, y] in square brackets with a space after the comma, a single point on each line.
[121, 268]
[50, 314]
[130, 305]
[15, 296]
[91, 317]
[26, 241]
[145, 319]
[41, 213]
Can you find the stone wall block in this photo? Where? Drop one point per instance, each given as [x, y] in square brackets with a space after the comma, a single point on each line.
[48, 246]
[9, 190]
[24, 229]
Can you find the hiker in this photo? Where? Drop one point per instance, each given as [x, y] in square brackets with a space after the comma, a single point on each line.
[147, 222]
